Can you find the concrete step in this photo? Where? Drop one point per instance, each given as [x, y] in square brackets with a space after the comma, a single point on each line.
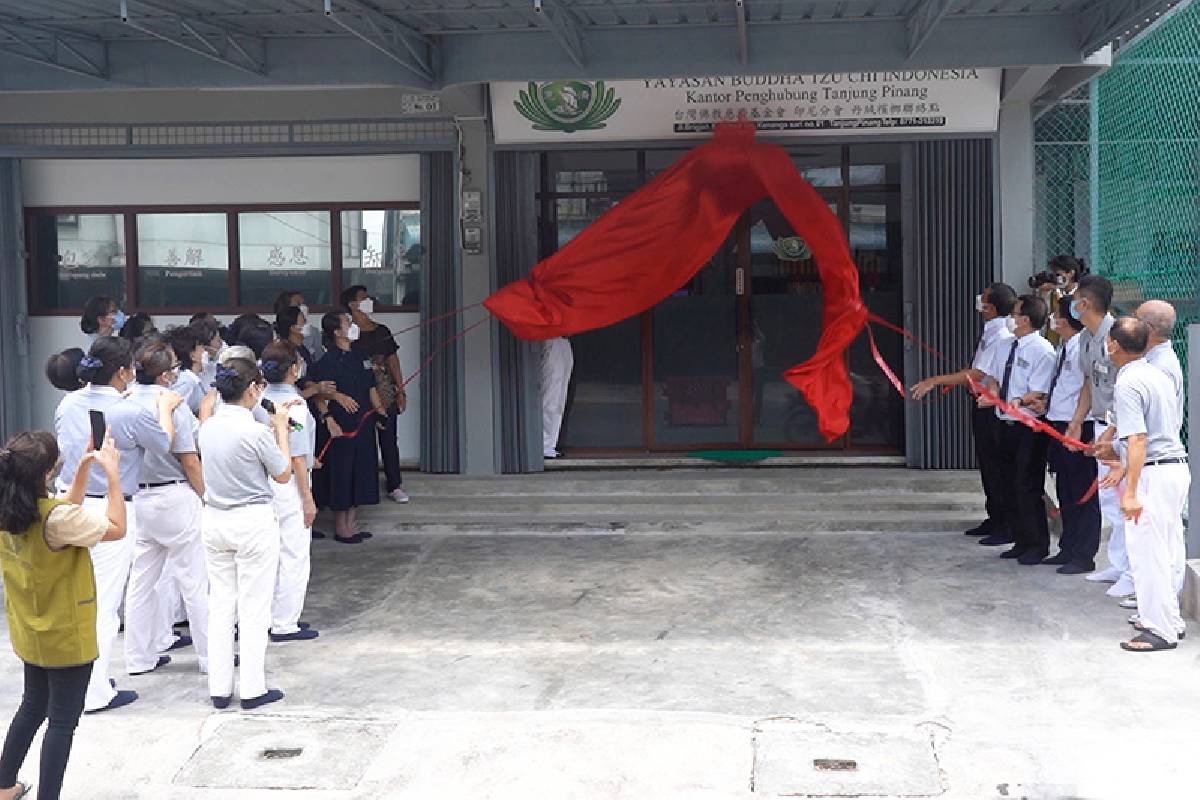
[592, 505]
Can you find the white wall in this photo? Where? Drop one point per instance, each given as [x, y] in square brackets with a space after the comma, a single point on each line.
[102, 182]
[49, 335]
[320, 179]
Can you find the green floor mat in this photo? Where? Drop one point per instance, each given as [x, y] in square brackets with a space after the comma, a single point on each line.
[735, 455]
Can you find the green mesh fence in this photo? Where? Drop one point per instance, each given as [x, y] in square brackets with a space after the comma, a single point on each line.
[1146, 206]
[1062, 200]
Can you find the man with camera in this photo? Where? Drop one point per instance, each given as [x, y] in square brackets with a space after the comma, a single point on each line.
[994, 305]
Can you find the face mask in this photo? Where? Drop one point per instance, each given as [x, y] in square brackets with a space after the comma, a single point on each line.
[352, 333]
[979, 303]
[119, 320]
[367, 306]
[1010, 323]
[304, 310]
[1074, 310]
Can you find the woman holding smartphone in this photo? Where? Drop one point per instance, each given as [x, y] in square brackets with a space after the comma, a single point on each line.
[240, 531]
[107, 371]
[50, 595]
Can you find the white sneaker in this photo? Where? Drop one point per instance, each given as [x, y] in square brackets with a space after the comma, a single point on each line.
[1122, 588]
[1134, 619]
[399, 495]
[1128, 602]
[1106, 575]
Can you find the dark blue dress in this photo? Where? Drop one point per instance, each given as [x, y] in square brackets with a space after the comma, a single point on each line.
[350, 475]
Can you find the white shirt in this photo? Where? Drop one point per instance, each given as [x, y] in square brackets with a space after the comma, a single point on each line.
[995, 332]
[1032, 366]
[1069, 385]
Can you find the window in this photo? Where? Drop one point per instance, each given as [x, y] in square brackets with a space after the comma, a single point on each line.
[382, 250]
[285, 250]
[183, 261]
[77, 256]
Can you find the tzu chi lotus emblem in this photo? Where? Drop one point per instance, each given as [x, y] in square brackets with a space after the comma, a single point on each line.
[567, 106]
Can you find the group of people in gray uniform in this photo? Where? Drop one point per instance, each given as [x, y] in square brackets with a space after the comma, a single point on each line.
[1114, 389]
[218, 497]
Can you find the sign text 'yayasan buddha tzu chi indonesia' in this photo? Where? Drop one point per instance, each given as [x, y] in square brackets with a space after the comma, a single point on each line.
[919, 101]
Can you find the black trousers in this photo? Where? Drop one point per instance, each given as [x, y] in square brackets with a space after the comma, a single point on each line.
[390, 450]
[1023, 461]
[55, 693]
[1074, 474]
[985, 427]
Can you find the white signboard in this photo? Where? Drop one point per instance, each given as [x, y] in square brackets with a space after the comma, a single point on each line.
[914, 102]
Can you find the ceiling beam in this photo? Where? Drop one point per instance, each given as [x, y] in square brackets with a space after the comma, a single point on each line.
[50, 47]
[921, 21]
[215, 41]
[554, 17]
[400, 42]
[1105, 21]
[743, 38]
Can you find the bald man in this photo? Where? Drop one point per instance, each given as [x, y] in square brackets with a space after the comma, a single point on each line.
[1160, 317]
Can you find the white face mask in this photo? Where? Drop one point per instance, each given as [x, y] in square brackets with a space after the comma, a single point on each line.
[1010, 323]
[205, 360]
[367, 306]
[352, 334]
[979, 303]
[304, 310]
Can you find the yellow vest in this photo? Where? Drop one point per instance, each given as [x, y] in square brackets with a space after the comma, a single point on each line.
[49, 597]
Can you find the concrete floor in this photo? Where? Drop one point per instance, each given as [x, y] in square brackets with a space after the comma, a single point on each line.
[662, 665]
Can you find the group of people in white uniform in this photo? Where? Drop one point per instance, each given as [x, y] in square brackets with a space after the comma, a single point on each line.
[1114, 385]
[219, 497]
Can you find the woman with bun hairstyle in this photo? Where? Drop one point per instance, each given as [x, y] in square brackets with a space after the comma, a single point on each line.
[50, 595]
[101, 318]
[240, 531]
[294, 504]
[107, 370]
[62, 369]
[168, 536]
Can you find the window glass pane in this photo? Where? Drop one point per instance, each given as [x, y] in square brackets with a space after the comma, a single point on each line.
[382, 250]
[593, 171]
[183, 261]
[874, 164]
[285, 250]
[821, 166]
[658, 160]
[573, 214]
[604, 405]
[78, 256]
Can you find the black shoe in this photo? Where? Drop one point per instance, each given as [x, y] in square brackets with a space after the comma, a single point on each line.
[221, 702]
[122, 698]
[982, 529]
[996, 539]
[1076, 569]
[1058, 560]
[1016, 551]
[162, 662]
[1031, 557]
[182, 641]
[271, 696]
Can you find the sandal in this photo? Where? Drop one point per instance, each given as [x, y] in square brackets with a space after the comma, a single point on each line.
[1140, 628]
[1150, 638]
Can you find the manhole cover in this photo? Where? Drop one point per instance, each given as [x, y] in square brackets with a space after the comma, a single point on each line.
[793, 759]
[279, 753]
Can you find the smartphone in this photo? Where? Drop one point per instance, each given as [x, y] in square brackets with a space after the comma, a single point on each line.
[98, 429]
[267, 405]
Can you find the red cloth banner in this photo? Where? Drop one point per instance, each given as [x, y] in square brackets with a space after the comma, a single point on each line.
[653, 242]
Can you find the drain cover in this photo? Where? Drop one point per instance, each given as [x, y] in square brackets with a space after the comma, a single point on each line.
[793, 759]
[278, 753]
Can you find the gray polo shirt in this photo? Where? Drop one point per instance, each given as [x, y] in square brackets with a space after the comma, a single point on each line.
[301, 442]
[188, 386]
[1163, 356]
[1096, 365]
[158, 468]
[1144, 402]
[135, 431]
[239, 457]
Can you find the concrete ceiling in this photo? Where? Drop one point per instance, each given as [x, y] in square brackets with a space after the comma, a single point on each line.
[430, 44]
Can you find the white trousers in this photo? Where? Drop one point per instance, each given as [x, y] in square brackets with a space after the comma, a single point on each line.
[1110, 508]
[110, 565]
[171, 608]
[241, 547]
[1154, 542]
[168, 531]
[557, 362]
[295, 541]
